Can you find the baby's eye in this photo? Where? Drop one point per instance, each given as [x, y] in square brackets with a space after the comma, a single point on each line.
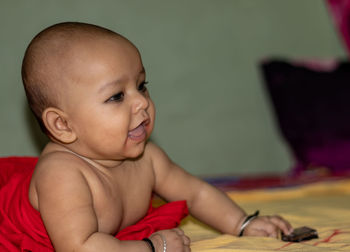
[117, 97]
[142, 86]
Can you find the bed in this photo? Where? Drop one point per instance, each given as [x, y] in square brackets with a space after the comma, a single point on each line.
[321, 202]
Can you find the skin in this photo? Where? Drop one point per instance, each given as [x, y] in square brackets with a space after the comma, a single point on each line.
[97, 174]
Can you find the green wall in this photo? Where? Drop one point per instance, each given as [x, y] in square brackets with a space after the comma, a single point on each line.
[201, 58]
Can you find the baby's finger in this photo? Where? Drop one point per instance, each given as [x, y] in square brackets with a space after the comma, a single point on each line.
[186, 240]
[271, 228]
[178, 231]
[282, 224]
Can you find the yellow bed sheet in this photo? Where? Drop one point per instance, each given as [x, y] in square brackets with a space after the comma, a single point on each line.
[324, 206]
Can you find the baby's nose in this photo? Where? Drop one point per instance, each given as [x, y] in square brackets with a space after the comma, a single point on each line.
[141, 102]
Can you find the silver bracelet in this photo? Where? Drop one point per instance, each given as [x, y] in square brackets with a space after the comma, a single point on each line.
[246, 222]
[164, 241]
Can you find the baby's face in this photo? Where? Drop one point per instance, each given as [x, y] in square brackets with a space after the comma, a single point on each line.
[106, 100]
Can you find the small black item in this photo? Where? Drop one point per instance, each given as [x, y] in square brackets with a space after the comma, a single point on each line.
[300, 234]
[150, 243]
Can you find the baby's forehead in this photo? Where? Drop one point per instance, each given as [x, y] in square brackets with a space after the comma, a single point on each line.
[96, 51]
[62, 53]
[86, 57]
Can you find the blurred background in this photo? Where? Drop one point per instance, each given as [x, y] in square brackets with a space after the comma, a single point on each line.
[202, 58]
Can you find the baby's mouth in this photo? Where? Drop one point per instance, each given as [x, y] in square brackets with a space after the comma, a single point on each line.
[138, 133]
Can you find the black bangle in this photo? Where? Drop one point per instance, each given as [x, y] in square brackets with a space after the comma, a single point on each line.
[247, 220]
[150, 243]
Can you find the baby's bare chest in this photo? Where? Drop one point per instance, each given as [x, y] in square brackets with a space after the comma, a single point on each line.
[120, 200]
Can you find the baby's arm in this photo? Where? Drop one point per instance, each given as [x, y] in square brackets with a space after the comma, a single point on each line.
[207, 203]
[66, 206]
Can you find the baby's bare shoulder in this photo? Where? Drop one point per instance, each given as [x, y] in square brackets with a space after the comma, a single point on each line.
[59, 169]
[159, 159]
[58, 162]
[153, 152]
[55, 175]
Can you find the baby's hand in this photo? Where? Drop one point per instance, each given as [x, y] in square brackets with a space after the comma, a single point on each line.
[176, 240]
[268, 226]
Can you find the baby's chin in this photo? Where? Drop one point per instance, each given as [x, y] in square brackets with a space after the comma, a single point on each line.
[137, 151]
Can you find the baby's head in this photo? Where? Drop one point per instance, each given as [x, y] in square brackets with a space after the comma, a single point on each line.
[86, 84]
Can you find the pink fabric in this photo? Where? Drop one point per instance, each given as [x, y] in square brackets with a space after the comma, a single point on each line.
[340, 10]
[21, 227]
[311, 109]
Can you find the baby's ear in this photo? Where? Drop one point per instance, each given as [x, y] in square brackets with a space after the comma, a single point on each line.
[56, 123]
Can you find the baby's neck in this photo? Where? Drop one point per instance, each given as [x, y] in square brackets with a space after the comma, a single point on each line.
[53, 147]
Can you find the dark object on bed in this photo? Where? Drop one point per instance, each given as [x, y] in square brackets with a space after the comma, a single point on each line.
[312, 106]
[300, 234]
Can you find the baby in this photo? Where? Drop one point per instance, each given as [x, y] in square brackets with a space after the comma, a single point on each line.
[86, 85]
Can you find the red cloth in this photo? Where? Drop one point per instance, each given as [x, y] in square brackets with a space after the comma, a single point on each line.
[21, 228]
